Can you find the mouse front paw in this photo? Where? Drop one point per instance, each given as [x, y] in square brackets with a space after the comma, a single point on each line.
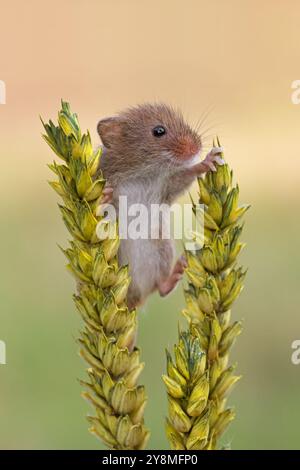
[214, 156]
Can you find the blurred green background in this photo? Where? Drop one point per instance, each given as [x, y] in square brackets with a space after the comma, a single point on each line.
[102, 56]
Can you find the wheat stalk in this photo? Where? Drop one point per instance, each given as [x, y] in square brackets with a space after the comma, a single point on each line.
[109, 330]
[198, 379]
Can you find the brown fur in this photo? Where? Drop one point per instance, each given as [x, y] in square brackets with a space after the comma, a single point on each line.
[132, 150]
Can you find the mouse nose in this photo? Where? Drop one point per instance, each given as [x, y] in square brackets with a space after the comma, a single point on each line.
[187, 148]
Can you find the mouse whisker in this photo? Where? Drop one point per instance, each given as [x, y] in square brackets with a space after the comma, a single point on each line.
[203, 132]
[203, 116]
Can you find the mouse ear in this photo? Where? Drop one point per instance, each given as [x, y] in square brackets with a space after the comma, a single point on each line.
[109, 129]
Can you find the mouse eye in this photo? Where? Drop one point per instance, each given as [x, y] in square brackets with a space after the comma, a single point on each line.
[159, 131]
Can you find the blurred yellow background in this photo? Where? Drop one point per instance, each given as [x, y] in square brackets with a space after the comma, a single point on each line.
[235, 58]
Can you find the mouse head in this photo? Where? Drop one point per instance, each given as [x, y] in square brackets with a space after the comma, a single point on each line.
[150, 135]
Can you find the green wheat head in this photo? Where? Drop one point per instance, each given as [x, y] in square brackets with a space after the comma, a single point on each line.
[109, 327]
[198, 378]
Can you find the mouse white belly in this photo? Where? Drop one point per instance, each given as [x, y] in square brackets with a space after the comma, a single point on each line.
[150, 260]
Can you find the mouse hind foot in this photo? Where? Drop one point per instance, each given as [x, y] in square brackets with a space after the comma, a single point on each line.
[167, 285]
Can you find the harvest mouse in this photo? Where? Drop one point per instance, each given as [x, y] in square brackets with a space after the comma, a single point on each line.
[151, 156]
